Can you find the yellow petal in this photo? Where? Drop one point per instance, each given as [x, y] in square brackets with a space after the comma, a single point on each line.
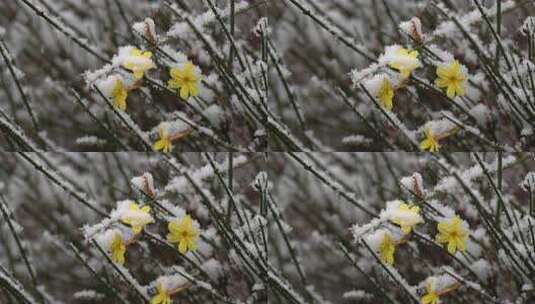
[135, 52]
[441, 82]
[451, 91]
[173, 238]
[442, 227]
[442, 238]
[189, 66]
[461, 244]
[145, 209]
[137, 229]
[187, 220]
[120, 259]
[429, 299]
[168, 147]
[184, 92]
[120, 103]
[174, 72]
[456, 67]
[183, 247]
[192, 246]
[138, 74]
[159, 298]
[159, 145]
[173, 226]
[424, 145]
[194, 90]
[452, 247]
[173, 84]
[128, 65]
[443, 72]
[460, 89]
[426, 299]
[403, 52]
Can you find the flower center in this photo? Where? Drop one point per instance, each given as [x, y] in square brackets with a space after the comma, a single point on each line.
[187, 79]
[454, 79]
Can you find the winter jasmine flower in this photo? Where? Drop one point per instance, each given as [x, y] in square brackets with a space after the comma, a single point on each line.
[184, 233]
[431, 297]
[405, 62]
[406, 217]
[386, 94]
[162, 297]
[381, 87]
[117, 248]
[454, 233]
[430, 143]
[139, 62]
[119, 95]
[165, 143]
[186, 79]
[452, 77]
[137, 217]
[387, 249]
[115, 87]
[437, 286]
[167, 286]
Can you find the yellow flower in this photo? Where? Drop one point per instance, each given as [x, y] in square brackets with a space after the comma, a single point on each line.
[386, 94]
[387, 249]
[137, 217]
[408, 216]
[451, 77]
[163, 297]
[119, 95]
[406, 62]
[183, 233]
[453, 232]
[164, 144]
[186, 80]
[430, 142]
[431, 297]
[139, 62]
[117, 248]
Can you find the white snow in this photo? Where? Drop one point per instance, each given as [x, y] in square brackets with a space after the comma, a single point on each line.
[528, 184]
[105, 239]
[123, 211]
[90, 141]
[481, 113]
[172, 282]
[107, 84]
[528, 27]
